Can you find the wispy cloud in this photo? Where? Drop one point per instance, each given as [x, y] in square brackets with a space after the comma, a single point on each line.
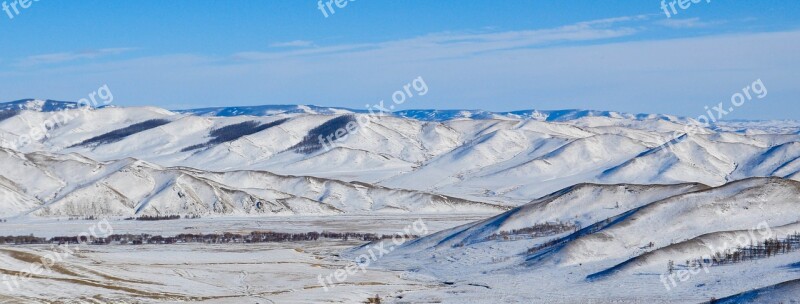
[70, 56]
[687, 23]
[292, 44]
[456, 44]
[581, 65]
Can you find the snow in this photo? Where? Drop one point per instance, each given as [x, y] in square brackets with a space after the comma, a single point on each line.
[508, 160]
[636, 198]
[682, 222]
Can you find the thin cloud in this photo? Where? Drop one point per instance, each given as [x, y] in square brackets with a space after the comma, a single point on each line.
[70, 56]
[455, 44]
[292, 44]
[591, 75]
[687, 23]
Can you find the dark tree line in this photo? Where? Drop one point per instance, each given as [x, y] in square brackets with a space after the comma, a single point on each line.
[544, 245]
[310, 142]
[119, 134]
[156, 217]
[85, 218]
[6, 114]
[22, 240]
[762, 250]
[538, 230]
[214, 238]
[578, 232]
[234, 132]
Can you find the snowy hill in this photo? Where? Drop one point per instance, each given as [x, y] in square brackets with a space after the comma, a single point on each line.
[71, 185]
[505, 159]
[618, 235]
[578, 200]
[267, 110]
[37, 105]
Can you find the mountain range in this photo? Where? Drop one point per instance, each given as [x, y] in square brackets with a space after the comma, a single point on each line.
[485, 162]
[588, 201]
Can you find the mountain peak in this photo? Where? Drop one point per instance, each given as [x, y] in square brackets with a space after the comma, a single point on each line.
[37, 105]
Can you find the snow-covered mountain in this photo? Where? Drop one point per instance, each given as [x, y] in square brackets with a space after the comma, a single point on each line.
[419, 114]
[594, 238]
[426, 115]
[37, 105]
[268, 110]
[583, 200]
[498, 159]
[46, 184]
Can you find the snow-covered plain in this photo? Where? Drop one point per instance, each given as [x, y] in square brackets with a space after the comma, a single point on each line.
[198, 273]
[626, 193]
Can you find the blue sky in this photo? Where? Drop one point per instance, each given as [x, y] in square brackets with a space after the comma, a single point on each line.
[492, 55]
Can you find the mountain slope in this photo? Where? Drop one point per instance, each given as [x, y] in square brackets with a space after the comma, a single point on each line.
[60, 185]
[604, 246]
[506, 160]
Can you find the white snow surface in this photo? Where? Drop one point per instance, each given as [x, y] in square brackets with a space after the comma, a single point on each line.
[636, 191]
[508, 161]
